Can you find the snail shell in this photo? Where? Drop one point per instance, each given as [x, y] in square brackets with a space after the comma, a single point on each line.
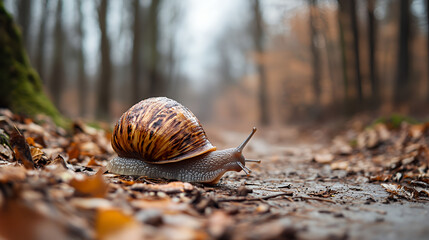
[160, 130]
[160, 138]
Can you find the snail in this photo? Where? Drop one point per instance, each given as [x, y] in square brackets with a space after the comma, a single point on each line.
[160, 138]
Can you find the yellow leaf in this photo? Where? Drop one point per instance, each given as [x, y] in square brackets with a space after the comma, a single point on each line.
[92, 186]
[111, 221]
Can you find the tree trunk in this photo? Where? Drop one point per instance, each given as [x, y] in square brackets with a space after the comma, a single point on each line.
[136, 61]
[331, 60]
[40, 51]
[81, 80]
[372, 29]
[402, 84]
[358, 78]
[342, 23]
[316, 55]
[105, 80]
[427, 48]
[24, 16]
[258, 36]
[156, 83]
[57, 75]
[349, 39]
[20, 86]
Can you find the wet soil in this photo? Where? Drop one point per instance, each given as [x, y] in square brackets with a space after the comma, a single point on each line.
[325, 204]
[309, 185]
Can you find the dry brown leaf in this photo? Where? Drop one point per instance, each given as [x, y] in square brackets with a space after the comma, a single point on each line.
[127, 182]
[73, 150]
[33, 143]
[112, 223]
[92, 162]
[343, 165]
[164, 204]
[21, 149]
[91, 203]
[91, 186]
[6, 153]
[90, 149]
[12, 173]
[172, 187]
[381, 177]
[341, 147]
[39, 157]
[218, 222]
[323, 157]
[416, 130]
[400, 191]
[382, 132]
[18, 221]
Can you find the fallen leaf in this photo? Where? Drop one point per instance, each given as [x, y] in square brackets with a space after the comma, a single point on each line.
[21, 149]
[32, 142]
[112, 223]
[91, 186]
[89, 149]
[12, 173]
[73, 150]
[400, 191]
[39, 157]
[91, 203]
[381, 177]
[417, 130]
[323, 157]
[172, 187]
[18, 221]
[219, 222]
[6, 153]
[342, 165]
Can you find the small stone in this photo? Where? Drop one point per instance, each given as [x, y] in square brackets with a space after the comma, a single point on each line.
[150, 216]
[243, 191]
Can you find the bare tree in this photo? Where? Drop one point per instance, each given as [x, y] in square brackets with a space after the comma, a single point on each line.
[402, 83]
[24, 18]
[355, 30]
[372, 29]
[349, 40]
[156, 82]
[258, 37]
[332, 59]
[40, 50]
[105, 75]
[342, 23]
[57, 74]
[170, 58]
[315, 53]
[136, 63]
[427, 47]
[81, 79]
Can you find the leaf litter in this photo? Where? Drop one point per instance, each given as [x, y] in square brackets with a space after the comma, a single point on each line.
[53, 183]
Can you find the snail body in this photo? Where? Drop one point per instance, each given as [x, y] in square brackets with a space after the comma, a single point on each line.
[160, 138]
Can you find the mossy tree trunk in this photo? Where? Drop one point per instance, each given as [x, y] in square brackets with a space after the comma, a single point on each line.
[20, 85]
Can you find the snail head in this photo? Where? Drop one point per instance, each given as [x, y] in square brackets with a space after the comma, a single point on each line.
[239, 152]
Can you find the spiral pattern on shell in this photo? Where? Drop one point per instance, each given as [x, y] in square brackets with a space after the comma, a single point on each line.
[159, 130]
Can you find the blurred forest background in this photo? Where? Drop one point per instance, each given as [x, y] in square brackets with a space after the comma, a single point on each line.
[231, 62]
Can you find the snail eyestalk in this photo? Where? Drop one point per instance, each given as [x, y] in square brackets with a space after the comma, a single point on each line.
[242, 145]
[245, 169]
[252, 160]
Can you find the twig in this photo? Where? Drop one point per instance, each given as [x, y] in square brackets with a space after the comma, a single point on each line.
[243, 199]
[314, 198]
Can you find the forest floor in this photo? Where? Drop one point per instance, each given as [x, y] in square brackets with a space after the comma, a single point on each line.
[359, 183]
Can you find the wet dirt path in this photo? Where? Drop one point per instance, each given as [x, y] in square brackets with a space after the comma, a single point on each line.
[324, 204]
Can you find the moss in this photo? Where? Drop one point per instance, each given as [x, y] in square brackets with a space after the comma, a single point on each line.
[394, 121]
[21, 88]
